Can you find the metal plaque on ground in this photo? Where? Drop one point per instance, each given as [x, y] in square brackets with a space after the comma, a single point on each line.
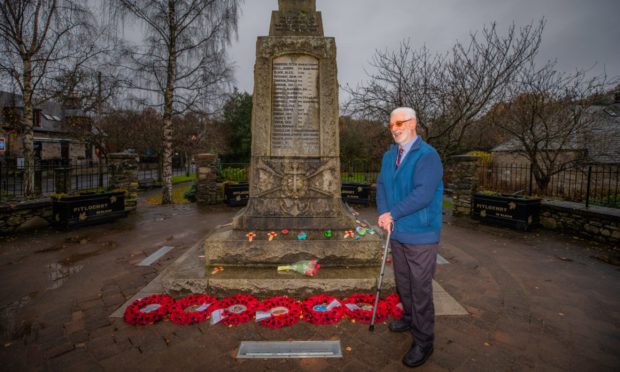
[289, 349]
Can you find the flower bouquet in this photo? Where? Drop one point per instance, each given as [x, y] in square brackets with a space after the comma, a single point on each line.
[308, 268]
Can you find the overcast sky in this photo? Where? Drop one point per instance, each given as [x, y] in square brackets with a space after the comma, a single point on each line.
[579, 33]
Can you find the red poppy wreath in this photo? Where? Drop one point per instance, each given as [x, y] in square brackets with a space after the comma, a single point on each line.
[395, 306]
[190, 309]
[322, 309]
[278, 312]
[148, 310]
[358, 307]
[234, 310]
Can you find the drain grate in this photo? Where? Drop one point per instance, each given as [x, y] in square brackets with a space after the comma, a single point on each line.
[289, 349]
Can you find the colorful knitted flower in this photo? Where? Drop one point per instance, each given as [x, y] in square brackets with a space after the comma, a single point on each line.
[148, 310]
[278, 312]
[234, 310]
[359, 307]
[322, 309]
[395, 306]
[190, 309]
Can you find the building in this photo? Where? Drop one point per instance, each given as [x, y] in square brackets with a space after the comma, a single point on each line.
[57, 128]
[597, 144]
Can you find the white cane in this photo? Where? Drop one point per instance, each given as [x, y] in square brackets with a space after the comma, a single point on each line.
[380, 281]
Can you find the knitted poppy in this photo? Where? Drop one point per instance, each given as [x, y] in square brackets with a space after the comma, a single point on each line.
[359, 307]
[190, 309]
[236, 309]
[395, 306]
[283, 311]
[322, 309]
[148, 310]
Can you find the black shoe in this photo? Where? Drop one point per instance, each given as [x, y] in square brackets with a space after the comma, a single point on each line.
[417, 355]
[399, 326]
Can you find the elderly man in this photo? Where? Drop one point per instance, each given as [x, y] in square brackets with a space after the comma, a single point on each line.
[409, 200]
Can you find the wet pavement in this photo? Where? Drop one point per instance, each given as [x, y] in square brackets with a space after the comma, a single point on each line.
[536, 301]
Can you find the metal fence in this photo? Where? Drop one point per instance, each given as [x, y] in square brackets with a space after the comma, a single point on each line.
[353, 172]
[596, 184]
[80, 177]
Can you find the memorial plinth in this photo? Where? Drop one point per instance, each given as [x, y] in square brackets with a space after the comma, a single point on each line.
[295, 167]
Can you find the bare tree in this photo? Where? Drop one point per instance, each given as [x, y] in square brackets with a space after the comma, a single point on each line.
[37, 38]
[182, 61]
[549, 118]
[449, 91]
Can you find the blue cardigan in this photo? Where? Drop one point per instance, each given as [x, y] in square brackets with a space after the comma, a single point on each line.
[412, 193]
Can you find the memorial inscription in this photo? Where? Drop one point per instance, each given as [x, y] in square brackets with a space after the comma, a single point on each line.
[295, 117]
[297, 22]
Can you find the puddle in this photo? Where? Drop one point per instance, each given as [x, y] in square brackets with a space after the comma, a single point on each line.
[58, 273]
[102, 247]
[53, 248]
[8, 326]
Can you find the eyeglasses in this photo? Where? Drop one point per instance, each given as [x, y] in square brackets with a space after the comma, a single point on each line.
[398, 124]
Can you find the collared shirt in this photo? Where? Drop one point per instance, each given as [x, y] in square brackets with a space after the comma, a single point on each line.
[406, 147]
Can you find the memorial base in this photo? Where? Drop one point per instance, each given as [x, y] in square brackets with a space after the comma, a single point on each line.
[189, 274]
[228, 247]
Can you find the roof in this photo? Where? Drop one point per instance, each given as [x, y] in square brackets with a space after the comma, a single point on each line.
[53, 116]
[601, 141]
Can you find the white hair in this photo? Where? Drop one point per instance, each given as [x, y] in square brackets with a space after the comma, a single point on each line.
[407, 111]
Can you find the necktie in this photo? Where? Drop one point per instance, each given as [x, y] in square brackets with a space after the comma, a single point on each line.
[400, 156]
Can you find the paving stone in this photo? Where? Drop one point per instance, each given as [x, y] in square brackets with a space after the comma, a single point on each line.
[60, 348]
[91, 303]
[114, 299]
[78, 337]
[103, 347]
[74, 361]
[129, 360]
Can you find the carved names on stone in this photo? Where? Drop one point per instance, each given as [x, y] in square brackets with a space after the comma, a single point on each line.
[297, 23]
[295, 127]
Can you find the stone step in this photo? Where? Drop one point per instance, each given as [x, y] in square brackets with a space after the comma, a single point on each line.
[189, 274]
[328, 280]
[228, 247]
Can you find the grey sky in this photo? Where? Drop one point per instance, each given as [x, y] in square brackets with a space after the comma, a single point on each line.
[579, 34]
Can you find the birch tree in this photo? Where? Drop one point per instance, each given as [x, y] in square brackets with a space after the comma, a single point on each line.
[181, 61]
[37, 38]
[547, 114]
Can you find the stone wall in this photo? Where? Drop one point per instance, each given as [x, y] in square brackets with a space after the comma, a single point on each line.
[50, 150]
[594, 223]
[123, 168]
[206, 184]
[14, 214]
[462, 183]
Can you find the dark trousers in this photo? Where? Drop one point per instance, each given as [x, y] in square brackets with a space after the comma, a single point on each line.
[414, 267]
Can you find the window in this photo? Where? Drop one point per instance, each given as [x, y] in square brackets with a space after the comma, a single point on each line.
[36, 118]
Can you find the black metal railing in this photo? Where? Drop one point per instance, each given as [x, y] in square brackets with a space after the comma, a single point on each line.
[591, 184]
[86, 176]
[76, 177]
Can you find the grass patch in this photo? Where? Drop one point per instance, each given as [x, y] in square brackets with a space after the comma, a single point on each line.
[181, 179]
[177, 196]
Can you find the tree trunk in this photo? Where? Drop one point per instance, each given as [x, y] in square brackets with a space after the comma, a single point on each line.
[168, 99]
[28, 146]
[542, 179]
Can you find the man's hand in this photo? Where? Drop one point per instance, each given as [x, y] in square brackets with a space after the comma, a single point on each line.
[386, 221]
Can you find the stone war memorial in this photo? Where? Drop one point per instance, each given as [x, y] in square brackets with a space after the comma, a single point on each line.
[295, 211]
